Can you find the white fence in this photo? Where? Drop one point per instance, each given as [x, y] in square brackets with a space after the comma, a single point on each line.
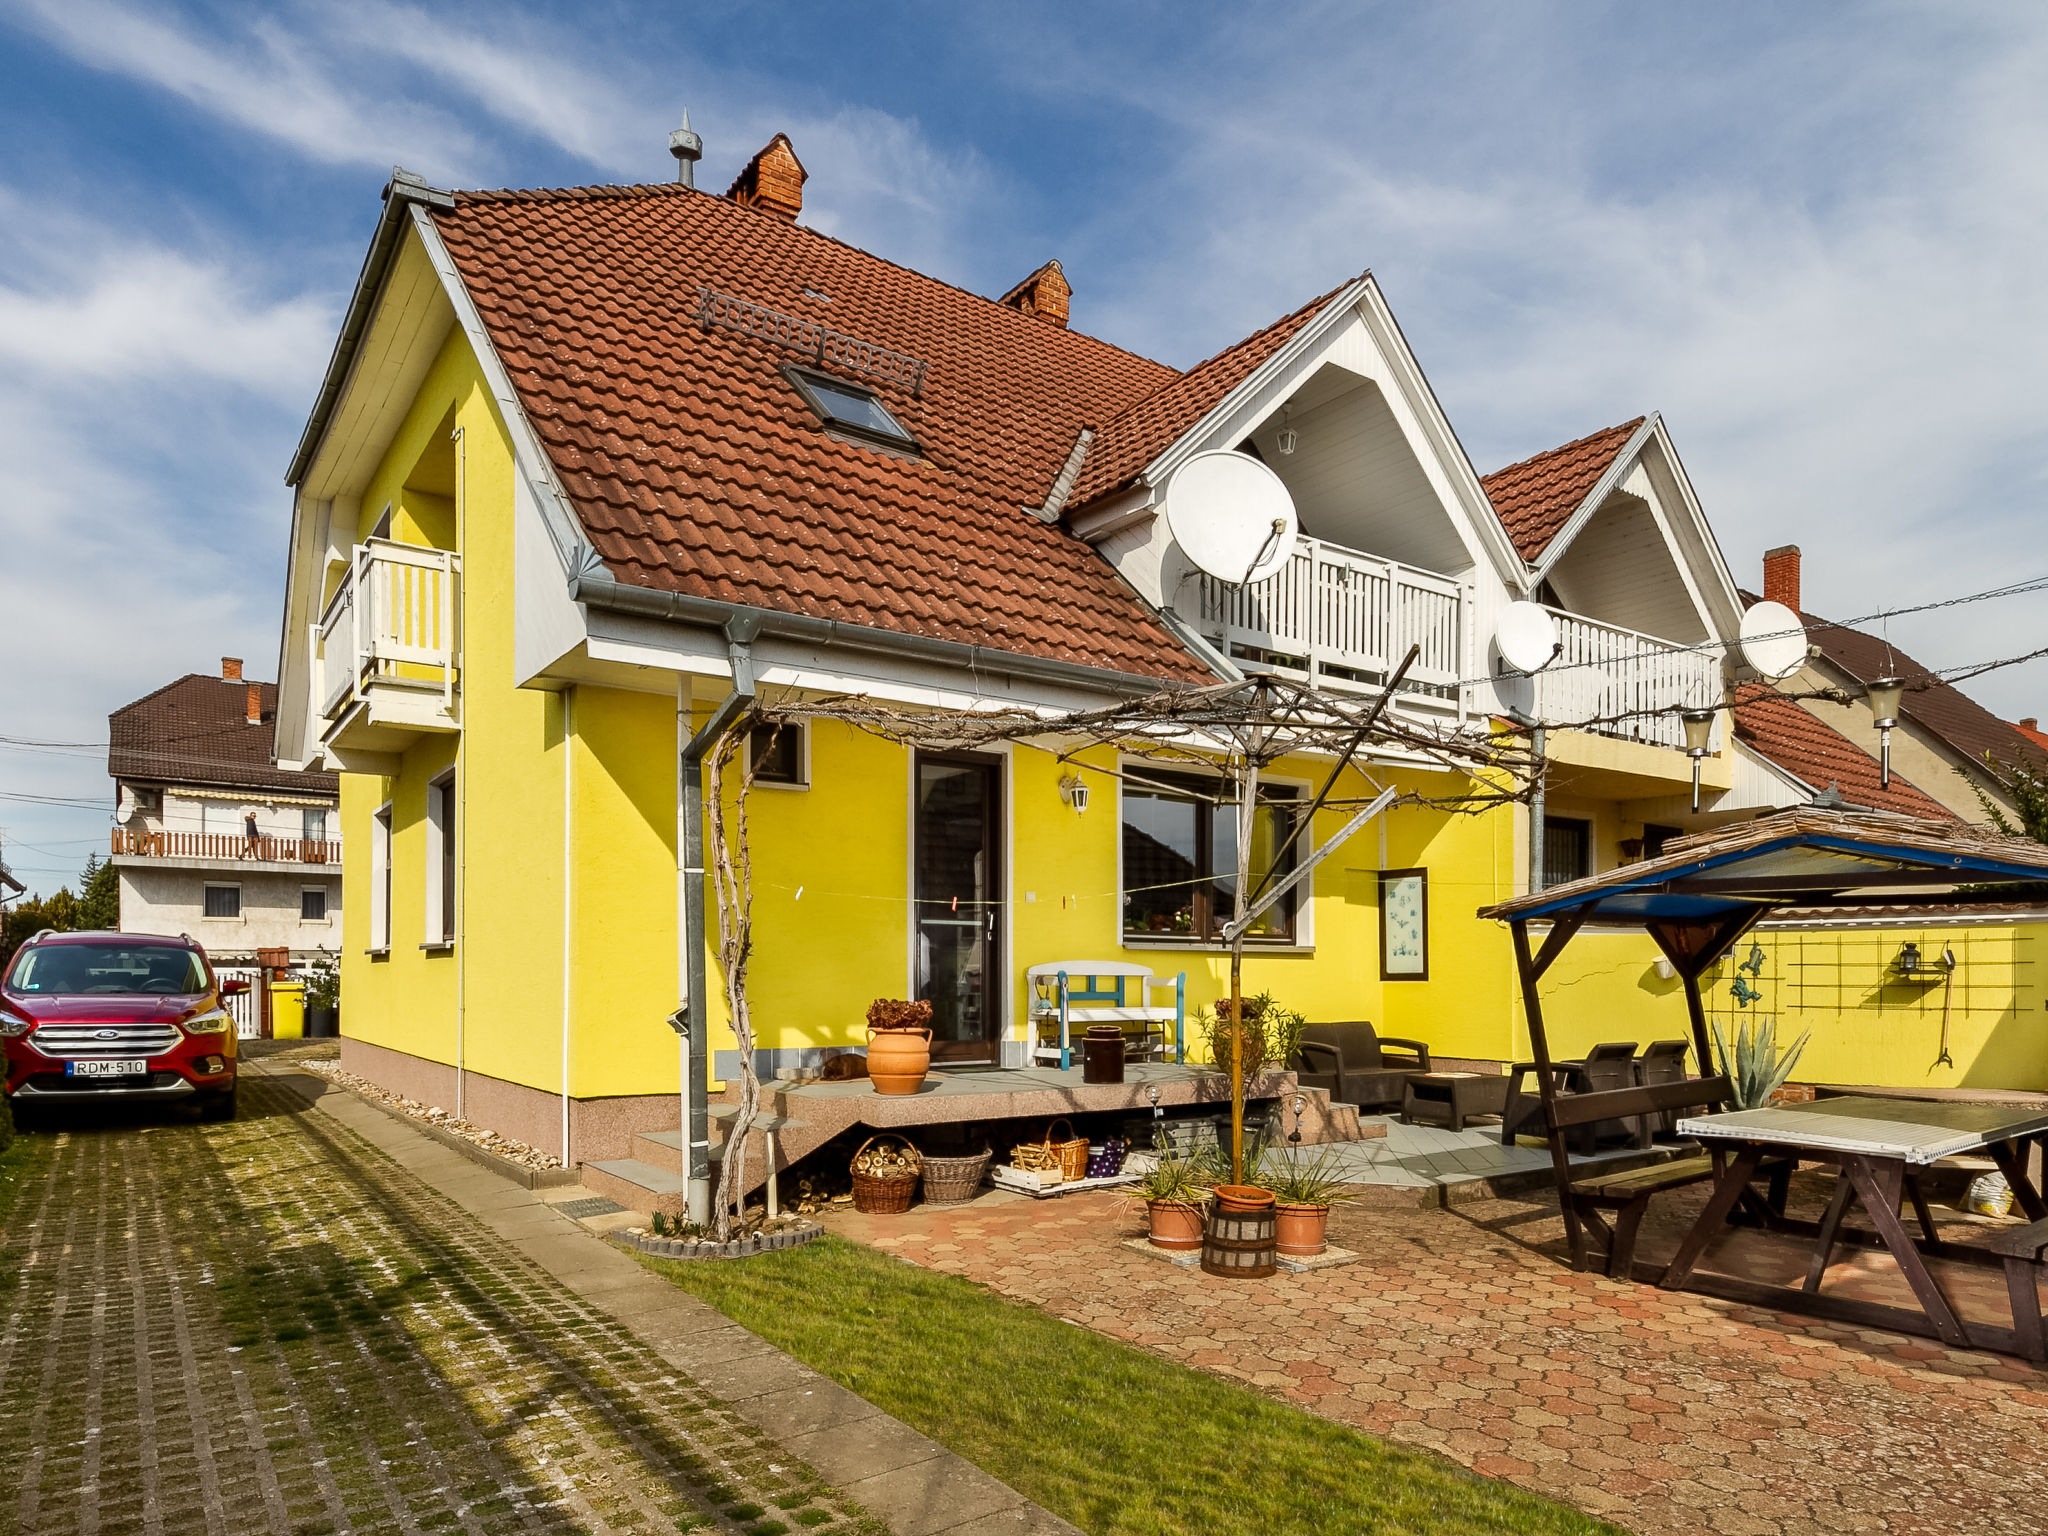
[394, 618]
[247, 1008]
[1615, 682]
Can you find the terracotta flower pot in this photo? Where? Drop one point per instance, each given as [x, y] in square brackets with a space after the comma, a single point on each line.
[1243, 1197]
[1175, 1224]
[898, 1059]
[1302, 1230]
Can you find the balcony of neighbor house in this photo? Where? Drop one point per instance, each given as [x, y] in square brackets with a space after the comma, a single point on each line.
[387, 659]
[213, 849]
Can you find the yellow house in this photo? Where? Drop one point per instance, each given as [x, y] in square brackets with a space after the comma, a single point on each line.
[582, 457]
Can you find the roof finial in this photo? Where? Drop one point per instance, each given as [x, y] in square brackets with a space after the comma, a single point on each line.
[688, 150]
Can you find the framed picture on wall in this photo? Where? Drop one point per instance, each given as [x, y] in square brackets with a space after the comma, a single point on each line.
[1404, 925]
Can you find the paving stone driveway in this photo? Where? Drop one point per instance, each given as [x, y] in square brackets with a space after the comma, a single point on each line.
[268, 1326]
[1669, 1413]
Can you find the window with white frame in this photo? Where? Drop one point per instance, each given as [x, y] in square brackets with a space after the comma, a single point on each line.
[779, 754]
[1180, 856]
[440, 908]
[223, 901]
[313, 904]
[313, 823]
[380, 880]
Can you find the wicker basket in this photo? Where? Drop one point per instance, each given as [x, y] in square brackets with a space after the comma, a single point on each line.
[1070, 1153]
[950, 1180]
[890, 1193]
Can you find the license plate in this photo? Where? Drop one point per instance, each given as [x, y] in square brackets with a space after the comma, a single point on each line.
[130, 1068]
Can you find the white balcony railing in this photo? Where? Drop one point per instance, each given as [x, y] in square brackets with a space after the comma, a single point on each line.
[1340, 615]
[138, 843]
[393, 621]
[1615, 682]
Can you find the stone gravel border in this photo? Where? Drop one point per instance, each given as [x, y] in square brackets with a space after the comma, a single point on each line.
[696, 1248]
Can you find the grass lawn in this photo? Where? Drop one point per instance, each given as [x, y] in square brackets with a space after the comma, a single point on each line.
[1119, 1441]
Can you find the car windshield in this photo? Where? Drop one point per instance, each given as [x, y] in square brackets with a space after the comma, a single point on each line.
[77, 970]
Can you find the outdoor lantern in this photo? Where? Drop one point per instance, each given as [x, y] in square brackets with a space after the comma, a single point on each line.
[1074, 792]
[1699, 727]
[1288, 436]
[1909, 959]
[1883, 695]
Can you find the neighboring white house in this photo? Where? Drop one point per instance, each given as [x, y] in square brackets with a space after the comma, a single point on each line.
[212, 838]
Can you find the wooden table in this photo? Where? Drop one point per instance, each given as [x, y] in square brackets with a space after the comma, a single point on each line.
[1878, 1144]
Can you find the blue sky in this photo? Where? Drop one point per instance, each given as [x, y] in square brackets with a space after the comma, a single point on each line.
[1810, 235]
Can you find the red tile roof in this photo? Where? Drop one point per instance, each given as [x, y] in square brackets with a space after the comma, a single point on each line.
[197, 731]
[1146, 428]
[2030, 732]
[1814, 752]
[1538, 496]
[697, 467]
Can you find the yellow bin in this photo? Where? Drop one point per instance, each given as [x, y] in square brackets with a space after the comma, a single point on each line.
[287, 1010]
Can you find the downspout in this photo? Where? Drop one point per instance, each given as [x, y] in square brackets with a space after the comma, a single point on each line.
[568, 898]
[1538, 739]
[694, 1016]
[461, 934]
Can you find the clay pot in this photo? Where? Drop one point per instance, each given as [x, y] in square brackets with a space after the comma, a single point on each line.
[1176, 1225]
[898, 1058]
[1303, 1230]
[1243, 1197]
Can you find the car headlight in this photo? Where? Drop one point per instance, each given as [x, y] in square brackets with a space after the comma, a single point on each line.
[215, 1022]
[14, 1025]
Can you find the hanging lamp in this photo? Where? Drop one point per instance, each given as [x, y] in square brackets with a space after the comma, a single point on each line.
[1884, 695]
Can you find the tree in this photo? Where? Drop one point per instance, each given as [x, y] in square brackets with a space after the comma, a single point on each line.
[99, 895]
[2029, 790]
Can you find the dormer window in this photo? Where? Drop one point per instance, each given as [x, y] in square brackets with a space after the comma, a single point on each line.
[852, 409]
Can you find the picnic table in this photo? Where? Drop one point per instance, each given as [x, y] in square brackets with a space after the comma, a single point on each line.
[1878, 1144]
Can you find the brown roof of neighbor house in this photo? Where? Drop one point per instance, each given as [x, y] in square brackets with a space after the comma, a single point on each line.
[1814, 752]
[1944, 710]
[1147, 427]
[696, 465]
[1538, 496]
[197, 731]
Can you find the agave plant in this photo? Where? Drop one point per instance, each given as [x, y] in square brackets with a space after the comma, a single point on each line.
[1297, 1178]
[1176, 1179]
[1755, 1069]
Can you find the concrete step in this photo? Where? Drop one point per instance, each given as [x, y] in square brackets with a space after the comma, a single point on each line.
[637, 1186]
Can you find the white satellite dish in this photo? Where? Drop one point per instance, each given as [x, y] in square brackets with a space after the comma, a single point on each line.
[1231, 516]
[1527, 637]
[1773, 640]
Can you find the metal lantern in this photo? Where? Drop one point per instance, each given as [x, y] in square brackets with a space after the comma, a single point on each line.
[1883, 695]
[1288, 437]
[1699, 730]
[1909, 959]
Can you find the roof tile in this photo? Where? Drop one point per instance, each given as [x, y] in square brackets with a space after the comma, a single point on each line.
[1538, 496]
[1814, 752]
[197, 731]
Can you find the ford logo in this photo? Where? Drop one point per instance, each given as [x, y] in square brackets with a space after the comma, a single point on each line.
[106, 1034]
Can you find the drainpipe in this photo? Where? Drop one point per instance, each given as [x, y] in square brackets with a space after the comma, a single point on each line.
[692, 1019]
[1538, 739]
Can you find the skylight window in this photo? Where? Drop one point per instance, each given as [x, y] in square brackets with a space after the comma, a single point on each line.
[852, 409]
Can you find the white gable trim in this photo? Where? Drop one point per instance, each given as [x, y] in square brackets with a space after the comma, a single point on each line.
[1595, 499]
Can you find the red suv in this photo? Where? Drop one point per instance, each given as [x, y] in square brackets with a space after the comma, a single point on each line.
[86, 1017]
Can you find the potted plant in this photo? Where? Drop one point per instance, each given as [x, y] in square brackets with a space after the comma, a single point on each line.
[323, 998]
[1304, 1190]
[899, 1044]
[1173, 1195]
[1754, 1069]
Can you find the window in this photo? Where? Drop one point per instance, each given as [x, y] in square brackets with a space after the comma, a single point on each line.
[1567, 850]
[313, 904]
[1655, 837]
[441, 861]
[775, 754]
[313, 823]
[223, 901]
[851, 409]
[380, 881]
[1180, 857]
[75, 970]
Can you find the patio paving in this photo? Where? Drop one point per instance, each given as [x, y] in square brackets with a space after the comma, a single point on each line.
[1436, 1166]
[1459, 1330]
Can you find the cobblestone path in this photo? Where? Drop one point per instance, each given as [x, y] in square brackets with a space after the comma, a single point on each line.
[1666, 1412]
[267, 1326]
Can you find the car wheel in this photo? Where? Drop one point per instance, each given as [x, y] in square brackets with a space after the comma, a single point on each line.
[219, 1106]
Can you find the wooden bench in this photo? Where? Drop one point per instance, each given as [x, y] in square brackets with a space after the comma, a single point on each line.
[2025, 1251]
[1626, 1195]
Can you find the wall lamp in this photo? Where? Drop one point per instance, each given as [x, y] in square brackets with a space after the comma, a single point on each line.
[1883, 695]
[1699, 729]
[1074, 792]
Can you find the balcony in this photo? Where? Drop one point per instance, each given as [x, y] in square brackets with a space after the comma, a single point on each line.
[387, 659]
[1341, 617]
[1614, 682]
[223, 848]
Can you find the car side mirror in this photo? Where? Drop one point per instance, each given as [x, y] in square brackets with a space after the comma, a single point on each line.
[234, 988]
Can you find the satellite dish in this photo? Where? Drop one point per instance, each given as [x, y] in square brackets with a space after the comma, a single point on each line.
[1773, 640]
[1231, 516]
[1527, 637]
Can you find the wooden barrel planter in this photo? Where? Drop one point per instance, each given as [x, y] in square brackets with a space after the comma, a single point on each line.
[1241, 1238]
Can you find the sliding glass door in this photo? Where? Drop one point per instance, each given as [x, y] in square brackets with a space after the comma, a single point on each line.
[958, 903]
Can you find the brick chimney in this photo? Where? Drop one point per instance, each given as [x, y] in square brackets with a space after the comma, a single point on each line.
[773, 180]
[255, 703]
[1045, 293]
[1781, 576]
[231, 669]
